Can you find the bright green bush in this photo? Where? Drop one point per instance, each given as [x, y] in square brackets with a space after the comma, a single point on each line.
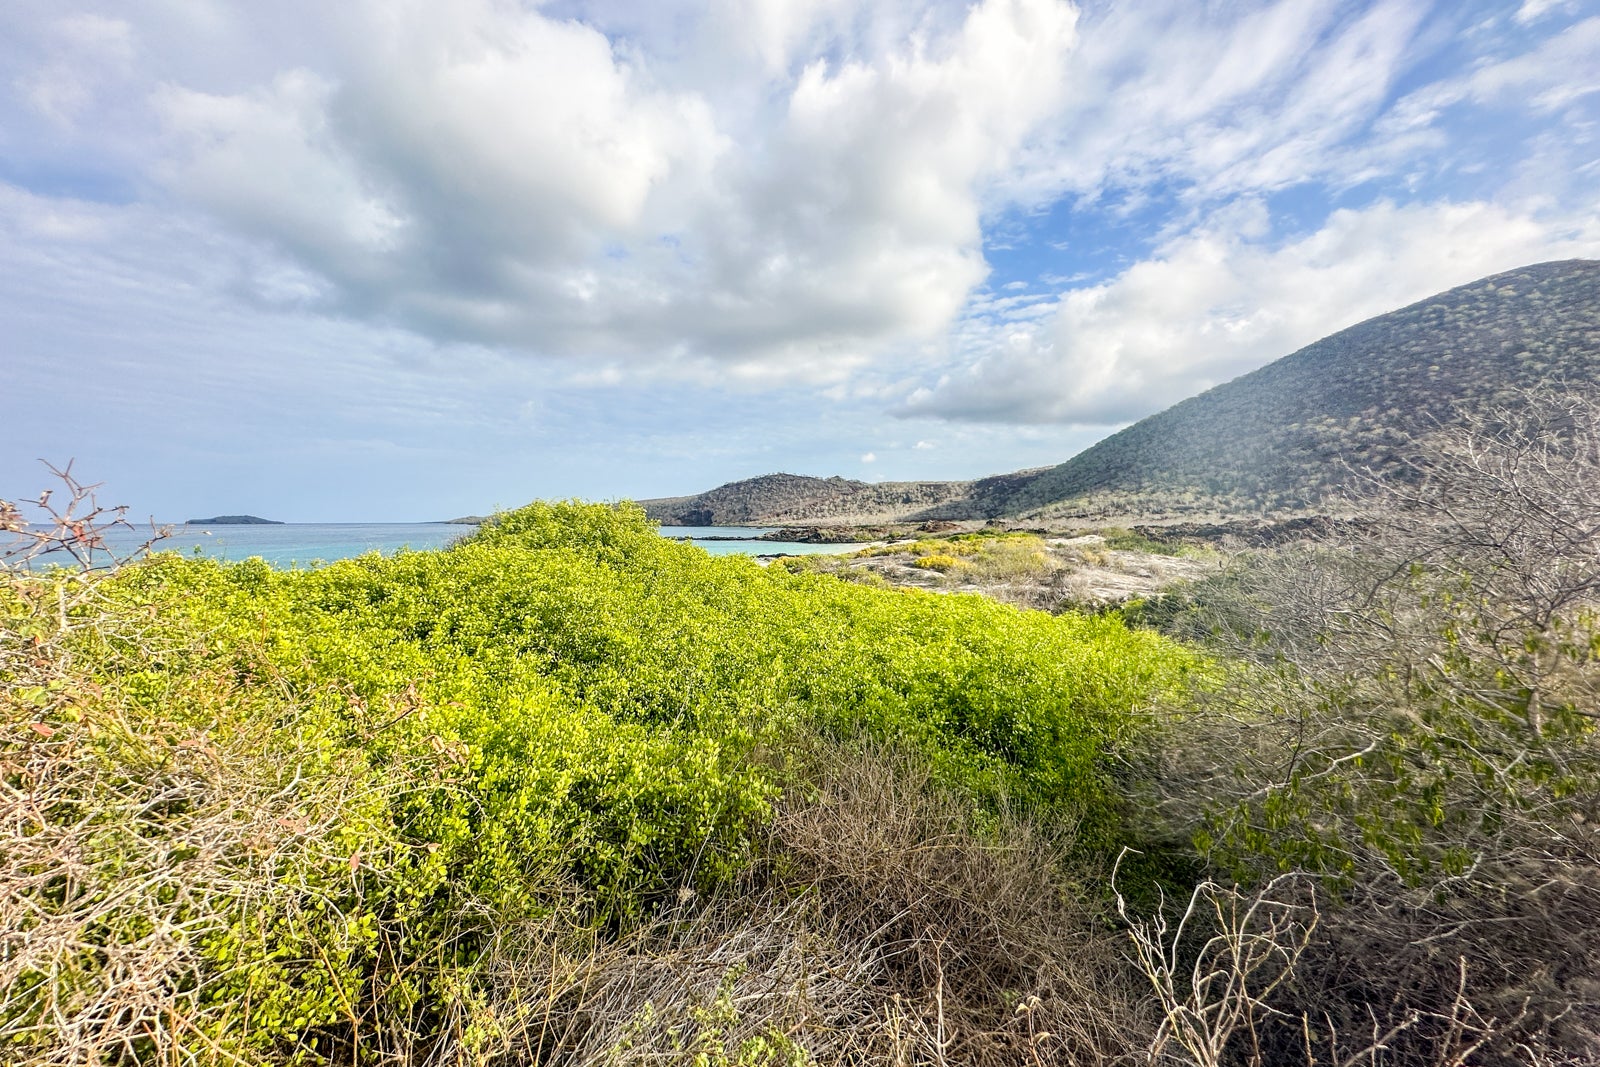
[939, 561]
[1016, 558]
[564, 714]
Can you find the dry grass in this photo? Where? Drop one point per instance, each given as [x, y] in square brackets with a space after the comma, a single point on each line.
[983, 942]
[881, 929]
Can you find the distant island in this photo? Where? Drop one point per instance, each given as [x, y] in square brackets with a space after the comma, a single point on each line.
[235, 520]
[466, 520]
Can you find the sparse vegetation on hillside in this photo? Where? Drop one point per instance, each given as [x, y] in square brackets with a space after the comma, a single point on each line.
[777, 499]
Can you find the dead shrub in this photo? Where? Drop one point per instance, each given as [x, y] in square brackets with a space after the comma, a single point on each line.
[150, 863]
[980, 938]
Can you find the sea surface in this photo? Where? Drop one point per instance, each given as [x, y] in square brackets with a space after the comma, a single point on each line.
[304, 544]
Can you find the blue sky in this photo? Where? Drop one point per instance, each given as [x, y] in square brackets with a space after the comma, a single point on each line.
[406, 259]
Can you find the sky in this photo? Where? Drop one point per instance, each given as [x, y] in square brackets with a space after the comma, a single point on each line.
[400, 260]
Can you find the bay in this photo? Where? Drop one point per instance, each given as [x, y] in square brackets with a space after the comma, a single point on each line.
[303, 544]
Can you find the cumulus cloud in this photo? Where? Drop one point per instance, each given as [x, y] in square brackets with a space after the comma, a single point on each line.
[1218, 302]
[269, 162]
[488, 173]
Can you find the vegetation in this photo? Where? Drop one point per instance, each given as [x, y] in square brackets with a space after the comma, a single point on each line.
[1089, 573]
[348, 812]
[776, 499]
[1409, 723]
[986, 556]
[571, 793]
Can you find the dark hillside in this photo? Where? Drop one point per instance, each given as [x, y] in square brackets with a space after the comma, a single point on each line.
[1279, 438]
[777, 499]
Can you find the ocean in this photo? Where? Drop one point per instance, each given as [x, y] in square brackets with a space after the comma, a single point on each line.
[303, 544]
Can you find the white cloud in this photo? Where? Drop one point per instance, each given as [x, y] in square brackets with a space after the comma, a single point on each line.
[869, 457]
[1218, 302]
[1557, 71]
[774, 31]
[1534, 10]
[492, 174]
[1244, 98]
[269, 162]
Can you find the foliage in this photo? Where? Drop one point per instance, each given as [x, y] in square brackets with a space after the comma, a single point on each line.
[1411, 718]
[1124, 540]
[305, 807]
[984, 556]
[780, 499]
[1015, 558]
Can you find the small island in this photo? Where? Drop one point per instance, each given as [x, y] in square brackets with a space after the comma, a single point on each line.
[235, 520]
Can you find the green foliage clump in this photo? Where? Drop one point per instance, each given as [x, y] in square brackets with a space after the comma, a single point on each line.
[564, 717]
[941, 562]
[1125, 540]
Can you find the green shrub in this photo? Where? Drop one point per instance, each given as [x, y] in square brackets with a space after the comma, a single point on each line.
[1015, 558]
[1128, 541]
[564, 715]
[944, 564]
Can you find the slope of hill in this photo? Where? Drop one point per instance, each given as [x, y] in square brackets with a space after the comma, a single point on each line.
[777, 499]
[1275, 441]
[1278, 439]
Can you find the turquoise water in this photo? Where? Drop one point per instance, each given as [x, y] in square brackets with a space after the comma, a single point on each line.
[302, 544]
